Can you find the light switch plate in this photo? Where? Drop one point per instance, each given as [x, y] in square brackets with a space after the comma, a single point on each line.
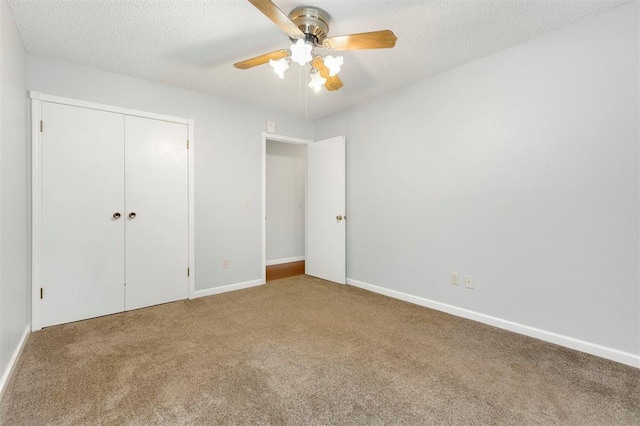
[271, 126]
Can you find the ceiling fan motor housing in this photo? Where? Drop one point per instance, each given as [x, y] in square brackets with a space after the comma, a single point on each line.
[313, 22]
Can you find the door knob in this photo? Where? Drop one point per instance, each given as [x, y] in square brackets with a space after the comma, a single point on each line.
[116, 215]
[339, 217]
[132, 215]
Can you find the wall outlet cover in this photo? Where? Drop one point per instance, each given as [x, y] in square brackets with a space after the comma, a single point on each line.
[468, 281]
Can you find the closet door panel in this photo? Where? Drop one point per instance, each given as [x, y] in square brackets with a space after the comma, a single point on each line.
[156, 176]
[82, 187]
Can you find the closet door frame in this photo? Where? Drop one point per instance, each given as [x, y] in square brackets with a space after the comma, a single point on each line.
[37, 98]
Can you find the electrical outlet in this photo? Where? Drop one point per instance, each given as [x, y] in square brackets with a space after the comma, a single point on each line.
[225, 263]
[468, 281]
[454, 278]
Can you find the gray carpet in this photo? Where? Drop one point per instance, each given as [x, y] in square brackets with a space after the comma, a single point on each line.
[304, 351]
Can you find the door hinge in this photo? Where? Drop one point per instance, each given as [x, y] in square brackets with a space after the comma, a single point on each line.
[41, 293]
[41, 126]
[188, 272]
[187, 143]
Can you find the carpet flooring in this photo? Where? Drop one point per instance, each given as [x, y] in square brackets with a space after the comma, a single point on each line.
[302, 351]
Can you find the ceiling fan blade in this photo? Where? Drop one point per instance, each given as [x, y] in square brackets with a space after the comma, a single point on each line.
[384, 39]
[262, 59]
[278, 17]
[332, 83]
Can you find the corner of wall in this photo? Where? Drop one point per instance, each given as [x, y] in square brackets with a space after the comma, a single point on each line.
[14, 196]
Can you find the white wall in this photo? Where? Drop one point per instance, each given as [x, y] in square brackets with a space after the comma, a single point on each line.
[228, 158]
[14, 192]
[520, 169]
[285, 185]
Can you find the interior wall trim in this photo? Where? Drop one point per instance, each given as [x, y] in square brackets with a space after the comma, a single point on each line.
[226, 288]
[6, 375]
[548, 336]
[284, 260]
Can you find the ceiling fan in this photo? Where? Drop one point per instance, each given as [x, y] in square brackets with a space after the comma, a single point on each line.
[308, 28]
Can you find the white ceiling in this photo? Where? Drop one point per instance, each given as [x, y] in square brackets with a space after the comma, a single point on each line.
[193, 44]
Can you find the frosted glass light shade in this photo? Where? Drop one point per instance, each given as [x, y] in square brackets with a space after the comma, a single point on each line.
[279, 66]
[301, 52]
[333, 64]
[316, 80]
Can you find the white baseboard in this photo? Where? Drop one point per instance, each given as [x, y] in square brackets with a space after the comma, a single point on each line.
[284, 260]
[569, 342]
[4, 380]
[226, 288]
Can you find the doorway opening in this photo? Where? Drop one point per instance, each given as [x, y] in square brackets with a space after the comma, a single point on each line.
[284, 206]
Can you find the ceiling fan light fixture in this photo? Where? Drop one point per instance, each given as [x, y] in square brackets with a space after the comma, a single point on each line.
[301, 52]
[279, 66]
[317, 81]
[307, 28]
[333, 64]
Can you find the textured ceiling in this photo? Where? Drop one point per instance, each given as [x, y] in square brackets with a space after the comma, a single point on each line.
[193, 44]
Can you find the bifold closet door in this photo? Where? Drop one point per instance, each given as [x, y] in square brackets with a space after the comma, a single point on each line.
[82, 195]
[156, 199]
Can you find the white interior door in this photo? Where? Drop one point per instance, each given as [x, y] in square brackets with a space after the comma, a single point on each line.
[82, 189]
[326, 255]
[157, 240]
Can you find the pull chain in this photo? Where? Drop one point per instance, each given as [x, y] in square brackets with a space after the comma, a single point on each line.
[306, 94]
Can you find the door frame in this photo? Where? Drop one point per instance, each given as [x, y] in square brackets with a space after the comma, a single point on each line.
[36, 188]
[286, 139]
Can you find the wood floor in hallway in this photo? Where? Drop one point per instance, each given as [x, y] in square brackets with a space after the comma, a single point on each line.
[285, 270]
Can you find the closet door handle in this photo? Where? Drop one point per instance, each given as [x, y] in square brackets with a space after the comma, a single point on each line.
[116, 215]
[132, 215]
